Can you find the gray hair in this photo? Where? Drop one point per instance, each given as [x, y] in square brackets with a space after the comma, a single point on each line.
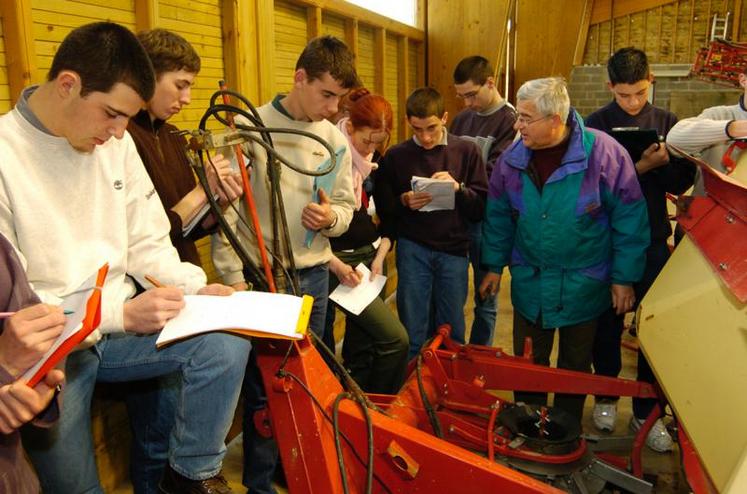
[549, 95]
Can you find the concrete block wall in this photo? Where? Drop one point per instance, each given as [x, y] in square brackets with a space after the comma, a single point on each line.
[588, 90]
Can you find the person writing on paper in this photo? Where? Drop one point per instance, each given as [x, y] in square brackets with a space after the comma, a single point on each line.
[100, 206]
[432, 246]
[163, 149]
[151, 405]
[375, 346]
[24, 338]
[566, 213]
[324, 73]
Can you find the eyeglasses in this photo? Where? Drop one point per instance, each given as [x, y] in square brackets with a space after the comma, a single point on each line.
[471, 94]
[524, 122]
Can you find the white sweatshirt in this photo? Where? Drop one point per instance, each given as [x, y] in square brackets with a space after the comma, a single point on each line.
[68, 212]
[306, 154]
[705, 136]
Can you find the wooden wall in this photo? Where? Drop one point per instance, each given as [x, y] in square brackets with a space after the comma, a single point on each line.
[668, 31]
[544, 39]
[457, 29]
[4, 86]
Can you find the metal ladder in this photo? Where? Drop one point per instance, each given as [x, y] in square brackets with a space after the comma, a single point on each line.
[720, 26]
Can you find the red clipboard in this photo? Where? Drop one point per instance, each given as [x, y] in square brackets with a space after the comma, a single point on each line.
[90, 322]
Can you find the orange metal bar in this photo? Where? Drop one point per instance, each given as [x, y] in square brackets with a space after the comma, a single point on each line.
[251, 207]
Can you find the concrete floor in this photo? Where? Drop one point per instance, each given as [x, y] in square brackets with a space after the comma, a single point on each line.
[663, 467]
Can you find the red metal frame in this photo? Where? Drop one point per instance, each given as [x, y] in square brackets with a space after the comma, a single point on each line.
[408, 456]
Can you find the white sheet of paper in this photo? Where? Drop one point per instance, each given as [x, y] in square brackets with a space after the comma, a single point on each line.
[271, 313]
[75, 302]
[441, 191]
[358, 298]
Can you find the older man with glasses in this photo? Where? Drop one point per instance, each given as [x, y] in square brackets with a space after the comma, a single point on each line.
[566, 213]
[487, 120]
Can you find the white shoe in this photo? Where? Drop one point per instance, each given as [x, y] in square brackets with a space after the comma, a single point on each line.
[604, 416]
[658, 438]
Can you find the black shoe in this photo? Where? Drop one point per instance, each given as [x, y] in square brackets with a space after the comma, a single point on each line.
[174, 483]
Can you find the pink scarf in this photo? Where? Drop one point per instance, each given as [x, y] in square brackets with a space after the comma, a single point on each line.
[362, 165]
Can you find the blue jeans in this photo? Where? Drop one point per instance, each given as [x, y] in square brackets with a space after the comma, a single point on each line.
[151, 408]
[211, 366]
[485, 309]
[423, 275]
[261, 453]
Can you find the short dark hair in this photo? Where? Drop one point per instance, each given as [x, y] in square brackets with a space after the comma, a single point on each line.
[103, 54]
[476, 69]
[329, 54]
[169, 52]
[627, 66]
[425, 102]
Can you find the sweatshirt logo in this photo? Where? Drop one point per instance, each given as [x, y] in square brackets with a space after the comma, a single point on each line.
[150, 193]
[118, 185]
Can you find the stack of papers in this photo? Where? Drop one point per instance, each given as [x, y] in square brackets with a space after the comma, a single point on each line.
[259, 314]
[441, 191]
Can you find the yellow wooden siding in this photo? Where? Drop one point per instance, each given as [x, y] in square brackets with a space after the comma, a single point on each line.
[54, 19]
[413, 54]
[4, 87]
[290, 40]
[390, 81]
[333, 25]
[413, 77]
[366, 66]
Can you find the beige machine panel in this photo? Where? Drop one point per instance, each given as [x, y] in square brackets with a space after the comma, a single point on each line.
[694, 333]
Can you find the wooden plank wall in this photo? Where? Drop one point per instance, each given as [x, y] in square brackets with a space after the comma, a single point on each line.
[668, 31]
[4, 86]
[458, 29]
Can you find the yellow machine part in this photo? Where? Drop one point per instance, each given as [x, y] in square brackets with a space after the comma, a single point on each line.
[693, 331]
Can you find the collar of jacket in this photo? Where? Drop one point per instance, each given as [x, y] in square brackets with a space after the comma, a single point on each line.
[142, 119]
[574, 160]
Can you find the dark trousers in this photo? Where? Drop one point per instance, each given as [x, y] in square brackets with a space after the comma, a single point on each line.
[376, 343]
[576, 343]
[607, 360]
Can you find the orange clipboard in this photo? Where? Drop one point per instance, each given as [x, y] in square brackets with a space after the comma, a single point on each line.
[90, 322]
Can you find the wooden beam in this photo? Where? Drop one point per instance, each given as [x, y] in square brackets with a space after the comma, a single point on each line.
[266, 49]
[345, 9]
[351, 37]
[736, 33]
[146, 15]
[379, 59]
[403, 79]
[674, 30]
[240, 47]
[690, 37]
[602, 11]
[20, 55]
[313, 22]
[583, 33]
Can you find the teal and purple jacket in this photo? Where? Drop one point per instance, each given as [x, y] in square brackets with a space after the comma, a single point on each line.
[564, 245]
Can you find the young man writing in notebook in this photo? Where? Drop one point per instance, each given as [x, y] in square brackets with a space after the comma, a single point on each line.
[432, 247]
[99, 206]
